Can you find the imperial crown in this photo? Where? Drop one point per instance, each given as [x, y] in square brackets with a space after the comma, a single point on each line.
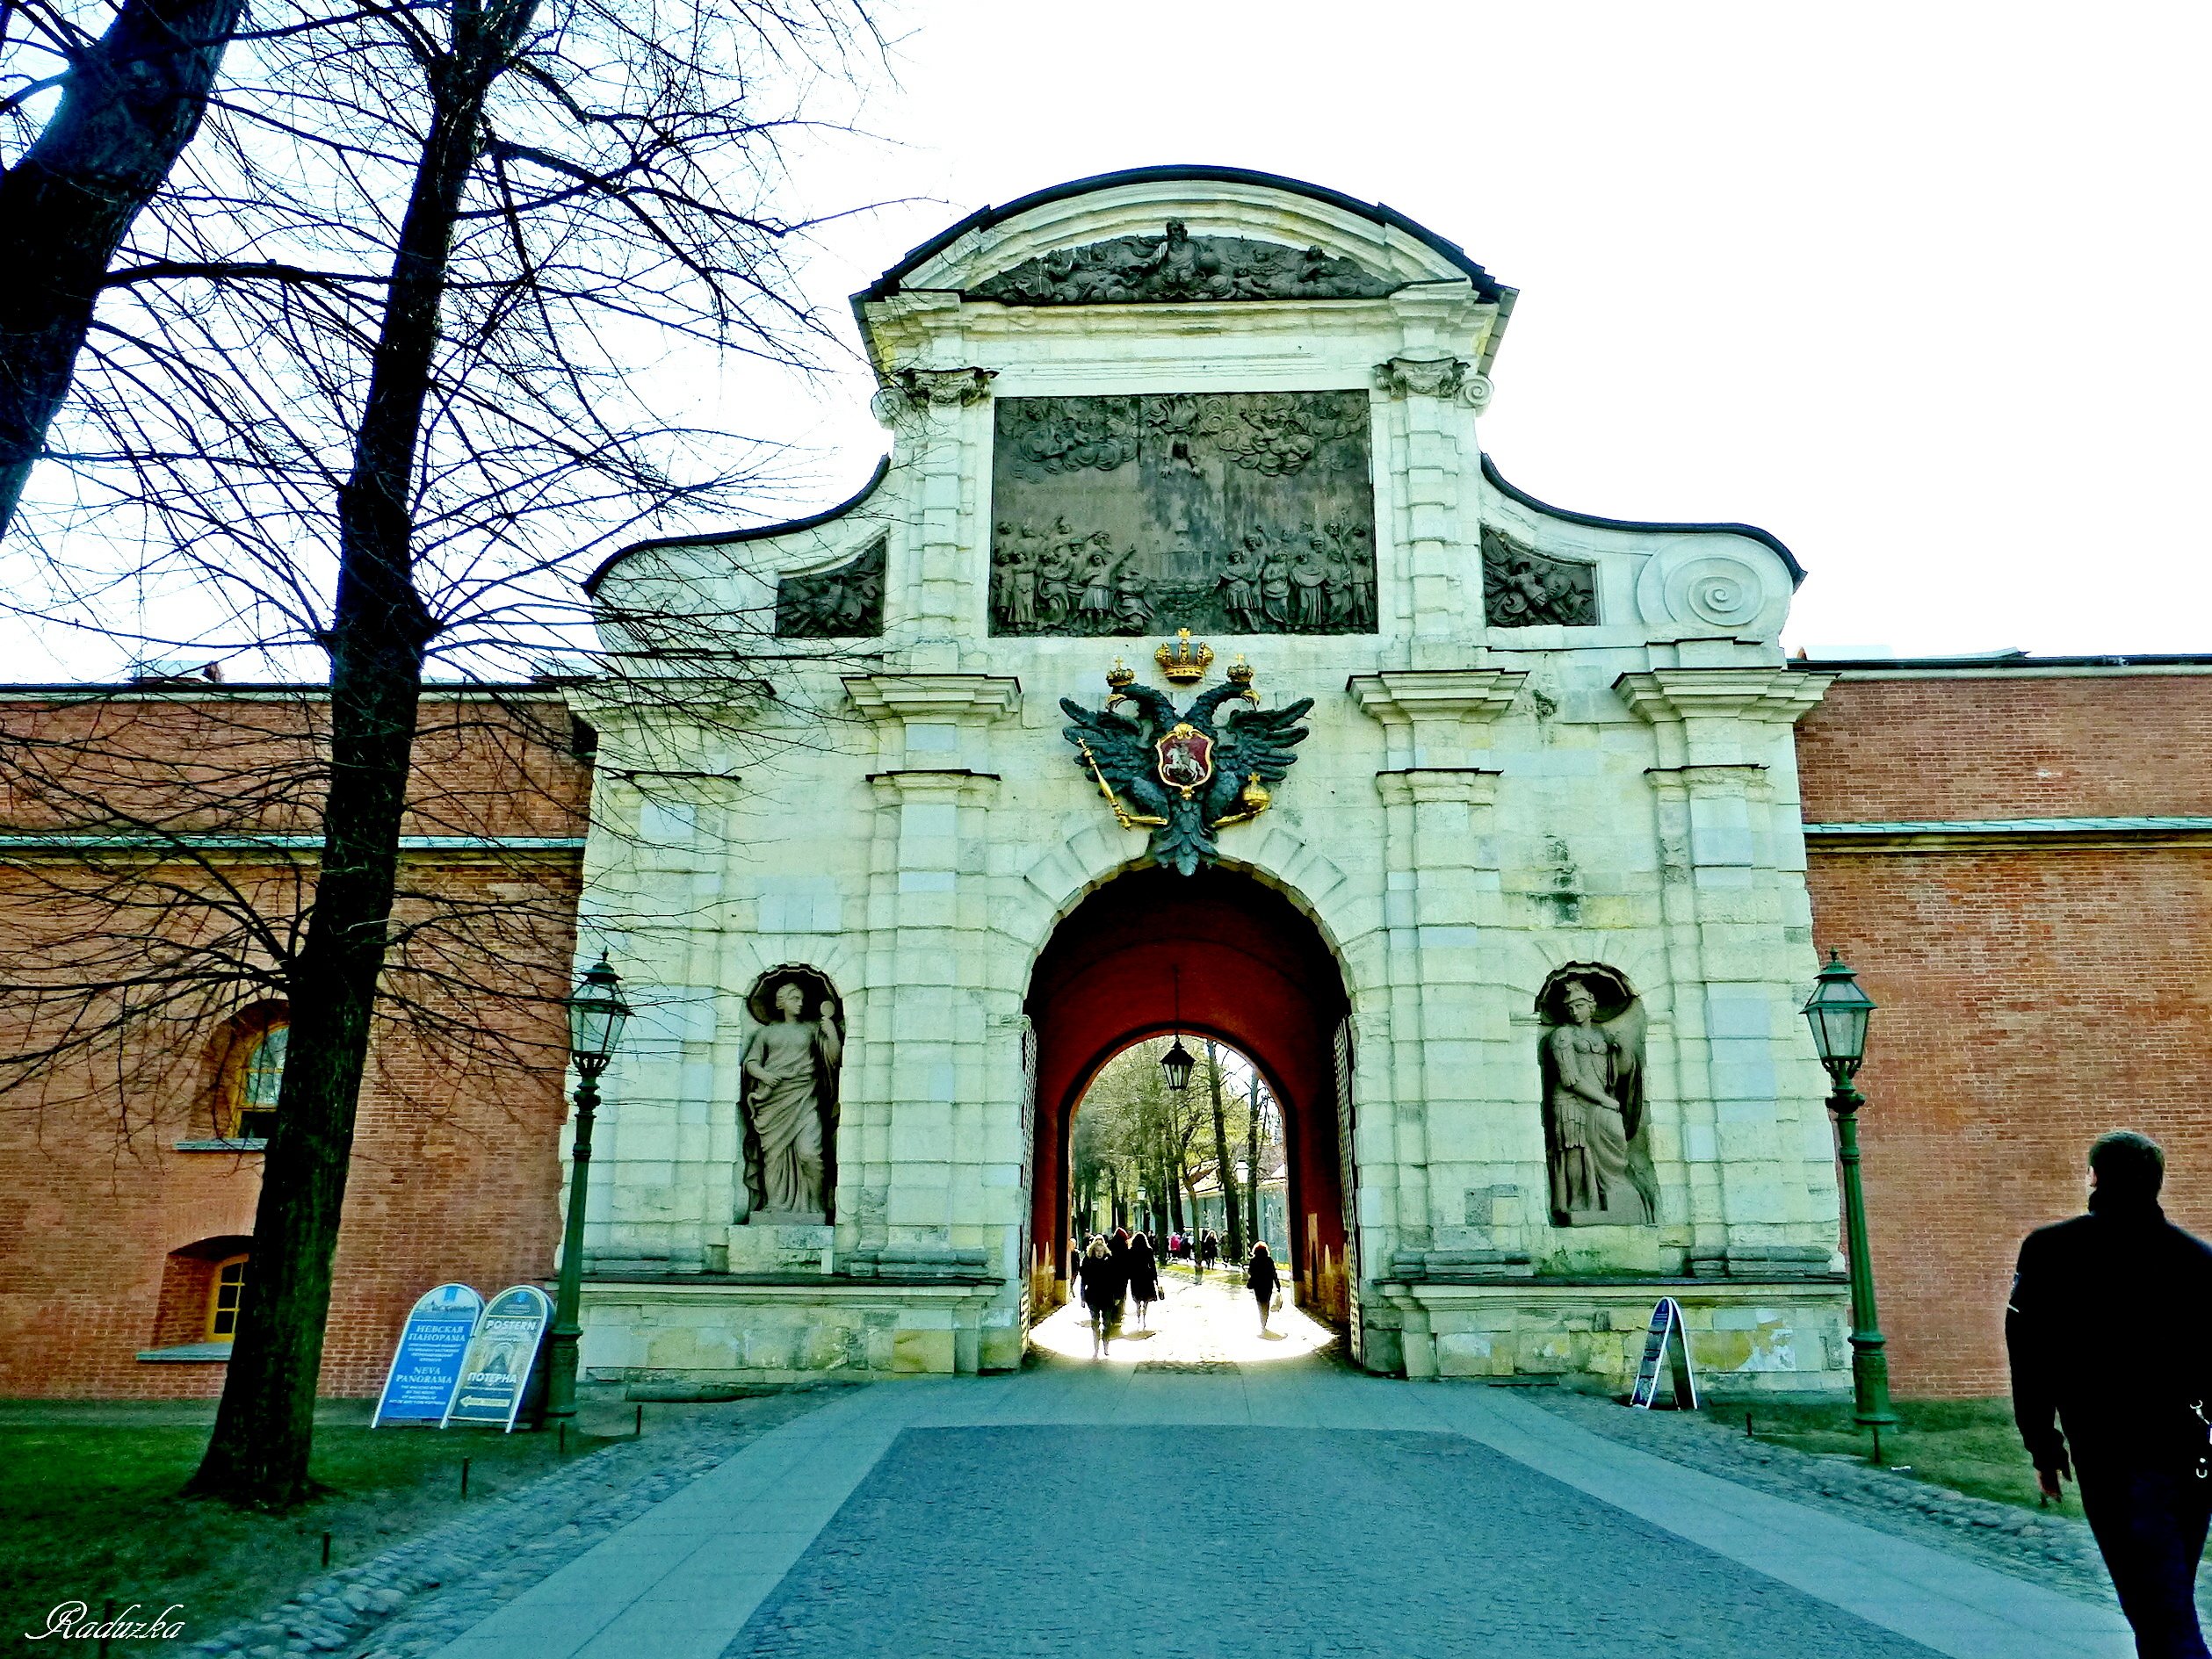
[1183, 665]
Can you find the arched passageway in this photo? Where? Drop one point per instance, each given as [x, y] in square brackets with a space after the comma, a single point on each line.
[1252, 972]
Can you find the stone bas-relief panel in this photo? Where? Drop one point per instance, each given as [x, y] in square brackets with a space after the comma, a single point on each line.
[1524, 588]
[1237, 512]
[1176, 266]
[1595, 1133]
[843, 603]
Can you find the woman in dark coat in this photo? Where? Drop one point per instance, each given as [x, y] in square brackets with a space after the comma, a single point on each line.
[1144, 1276]
[1102, 1292]
[1260, 1280]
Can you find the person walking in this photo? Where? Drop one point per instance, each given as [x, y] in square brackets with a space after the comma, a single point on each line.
[2107, 1332]
[1144, 1278]
[1208, 1247]
[1103, 1289]
[1260, 1280]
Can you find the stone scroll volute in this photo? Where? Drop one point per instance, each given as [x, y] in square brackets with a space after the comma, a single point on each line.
[788, 1101]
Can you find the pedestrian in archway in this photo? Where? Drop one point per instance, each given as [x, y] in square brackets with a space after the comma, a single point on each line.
[1102, 1290]
[2107, 1330]
[1208, 1247]
[1144, 1278]
[1260, 1280]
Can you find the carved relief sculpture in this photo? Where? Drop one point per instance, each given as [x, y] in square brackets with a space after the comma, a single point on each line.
[1523, 588]
[1226, 512]
[1595, 1135]
[789, 1097]
[844, 603]
[1177, 267]
[1186, 777]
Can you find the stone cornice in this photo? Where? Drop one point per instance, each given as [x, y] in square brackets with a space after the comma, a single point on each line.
[936, 782]
[960, 697]
[1455, 785]
[1408, 695]
[2019, 834]
[1766, 693]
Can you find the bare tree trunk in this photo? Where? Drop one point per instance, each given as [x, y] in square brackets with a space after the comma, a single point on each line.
[379, 629]
[129, 107]
[1231, 1209]
[1252, 1170]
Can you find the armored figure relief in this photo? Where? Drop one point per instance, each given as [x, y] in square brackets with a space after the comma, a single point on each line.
[1177, 266]
[1523, 588]
[789, 1099]
[1238, 583]
[845, 602]
[1592, 1068]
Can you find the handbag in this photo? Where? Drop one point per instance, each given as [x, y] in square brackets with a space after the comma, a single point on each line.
[1276, 1305]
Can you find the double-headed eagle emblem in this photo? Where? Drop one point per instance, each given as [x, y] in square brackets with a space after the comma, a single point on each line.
[1180, 775]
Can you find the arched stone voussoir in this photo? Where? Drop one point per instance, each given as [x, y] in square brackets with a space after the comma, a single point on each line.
[1528, 959]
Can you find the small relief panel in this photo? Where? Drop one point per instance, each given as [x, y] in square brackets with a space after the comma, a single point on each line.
[1177, 267]
[842, 603]
[1231, 512]
[1524, 588]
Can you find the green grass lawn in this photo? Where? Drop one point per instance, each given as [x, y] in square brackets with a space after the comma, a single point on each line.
[1969, 1445]
[92, 1514]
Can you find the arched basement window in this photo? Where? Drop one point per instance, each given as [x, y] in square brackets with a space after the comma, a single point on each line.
[226, 1294]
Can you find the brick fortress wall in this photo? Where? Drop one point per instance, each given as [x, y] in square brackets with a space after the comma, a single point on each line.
[108, 1232]
[2035, 989]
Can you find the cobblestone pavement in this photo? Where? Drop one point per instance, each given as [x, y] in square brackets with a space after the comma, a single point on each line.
[1060, 1512]
[2054, 1550]
[418, 1596]
[1267, 1542]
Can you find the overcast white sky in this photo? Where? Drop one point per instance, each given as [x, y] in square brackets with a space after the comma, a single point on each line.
[1920, 288]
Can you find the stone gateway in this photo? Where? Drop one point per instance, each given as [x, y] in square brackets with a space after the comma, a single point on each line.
[1516, 931]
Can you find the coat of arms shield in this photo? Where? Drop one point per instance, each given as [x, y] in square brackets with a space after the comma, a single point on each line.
[1186, 758]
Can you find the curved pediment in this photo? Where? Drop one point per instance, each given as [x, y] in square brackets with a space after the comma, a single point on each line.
[1242, 235]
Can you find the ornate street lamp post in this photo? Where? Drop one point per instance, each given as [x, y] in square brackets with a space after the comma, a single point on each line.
[1837, 1011]
[597, 1014]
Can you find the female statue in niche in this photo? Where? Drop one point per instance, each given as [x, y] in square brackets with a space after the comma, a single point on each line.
[1590, 1059]
[789, 1100]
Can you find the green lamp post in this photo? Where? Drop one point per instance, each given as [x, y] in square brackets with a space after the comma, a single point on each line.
[1838, 1011]
[597, 1014]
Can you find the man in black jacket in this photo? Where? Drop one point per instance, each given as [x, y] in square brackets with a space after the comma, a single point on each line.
[2110, 1330]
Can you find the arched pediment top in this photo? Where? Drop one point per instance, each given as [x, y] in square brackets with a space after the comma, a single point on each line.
[1331, 246]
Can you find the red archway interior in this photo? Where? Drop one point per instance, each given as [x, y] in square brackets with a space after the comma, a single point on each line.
[1253, 973]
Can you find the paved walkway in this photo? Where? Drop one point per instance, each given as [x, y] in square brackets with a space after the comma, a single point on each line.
[1059, 1512]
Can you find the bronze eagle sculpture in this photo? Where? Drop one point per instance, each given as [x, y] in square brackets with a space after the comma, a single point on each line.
[1180, 775]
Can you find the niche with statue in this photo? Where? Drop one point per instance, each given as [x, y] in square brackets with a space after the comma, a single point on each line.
[788, 1101]
[1596, 1132]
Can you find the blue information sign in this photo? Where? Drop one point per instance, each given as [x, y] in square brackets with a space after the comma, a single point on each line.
[427, 1364]
[501, 1355]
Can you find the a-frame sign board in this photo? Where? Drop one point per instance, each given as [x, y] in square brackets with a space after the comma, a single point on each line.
[1665, 1333]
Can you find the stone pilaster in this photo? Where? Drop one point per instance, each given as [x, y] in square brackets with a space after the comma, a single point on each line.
[1441, 890]
[1732, 904]
[1426, 382]
[939, 410]
[940, 1143]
